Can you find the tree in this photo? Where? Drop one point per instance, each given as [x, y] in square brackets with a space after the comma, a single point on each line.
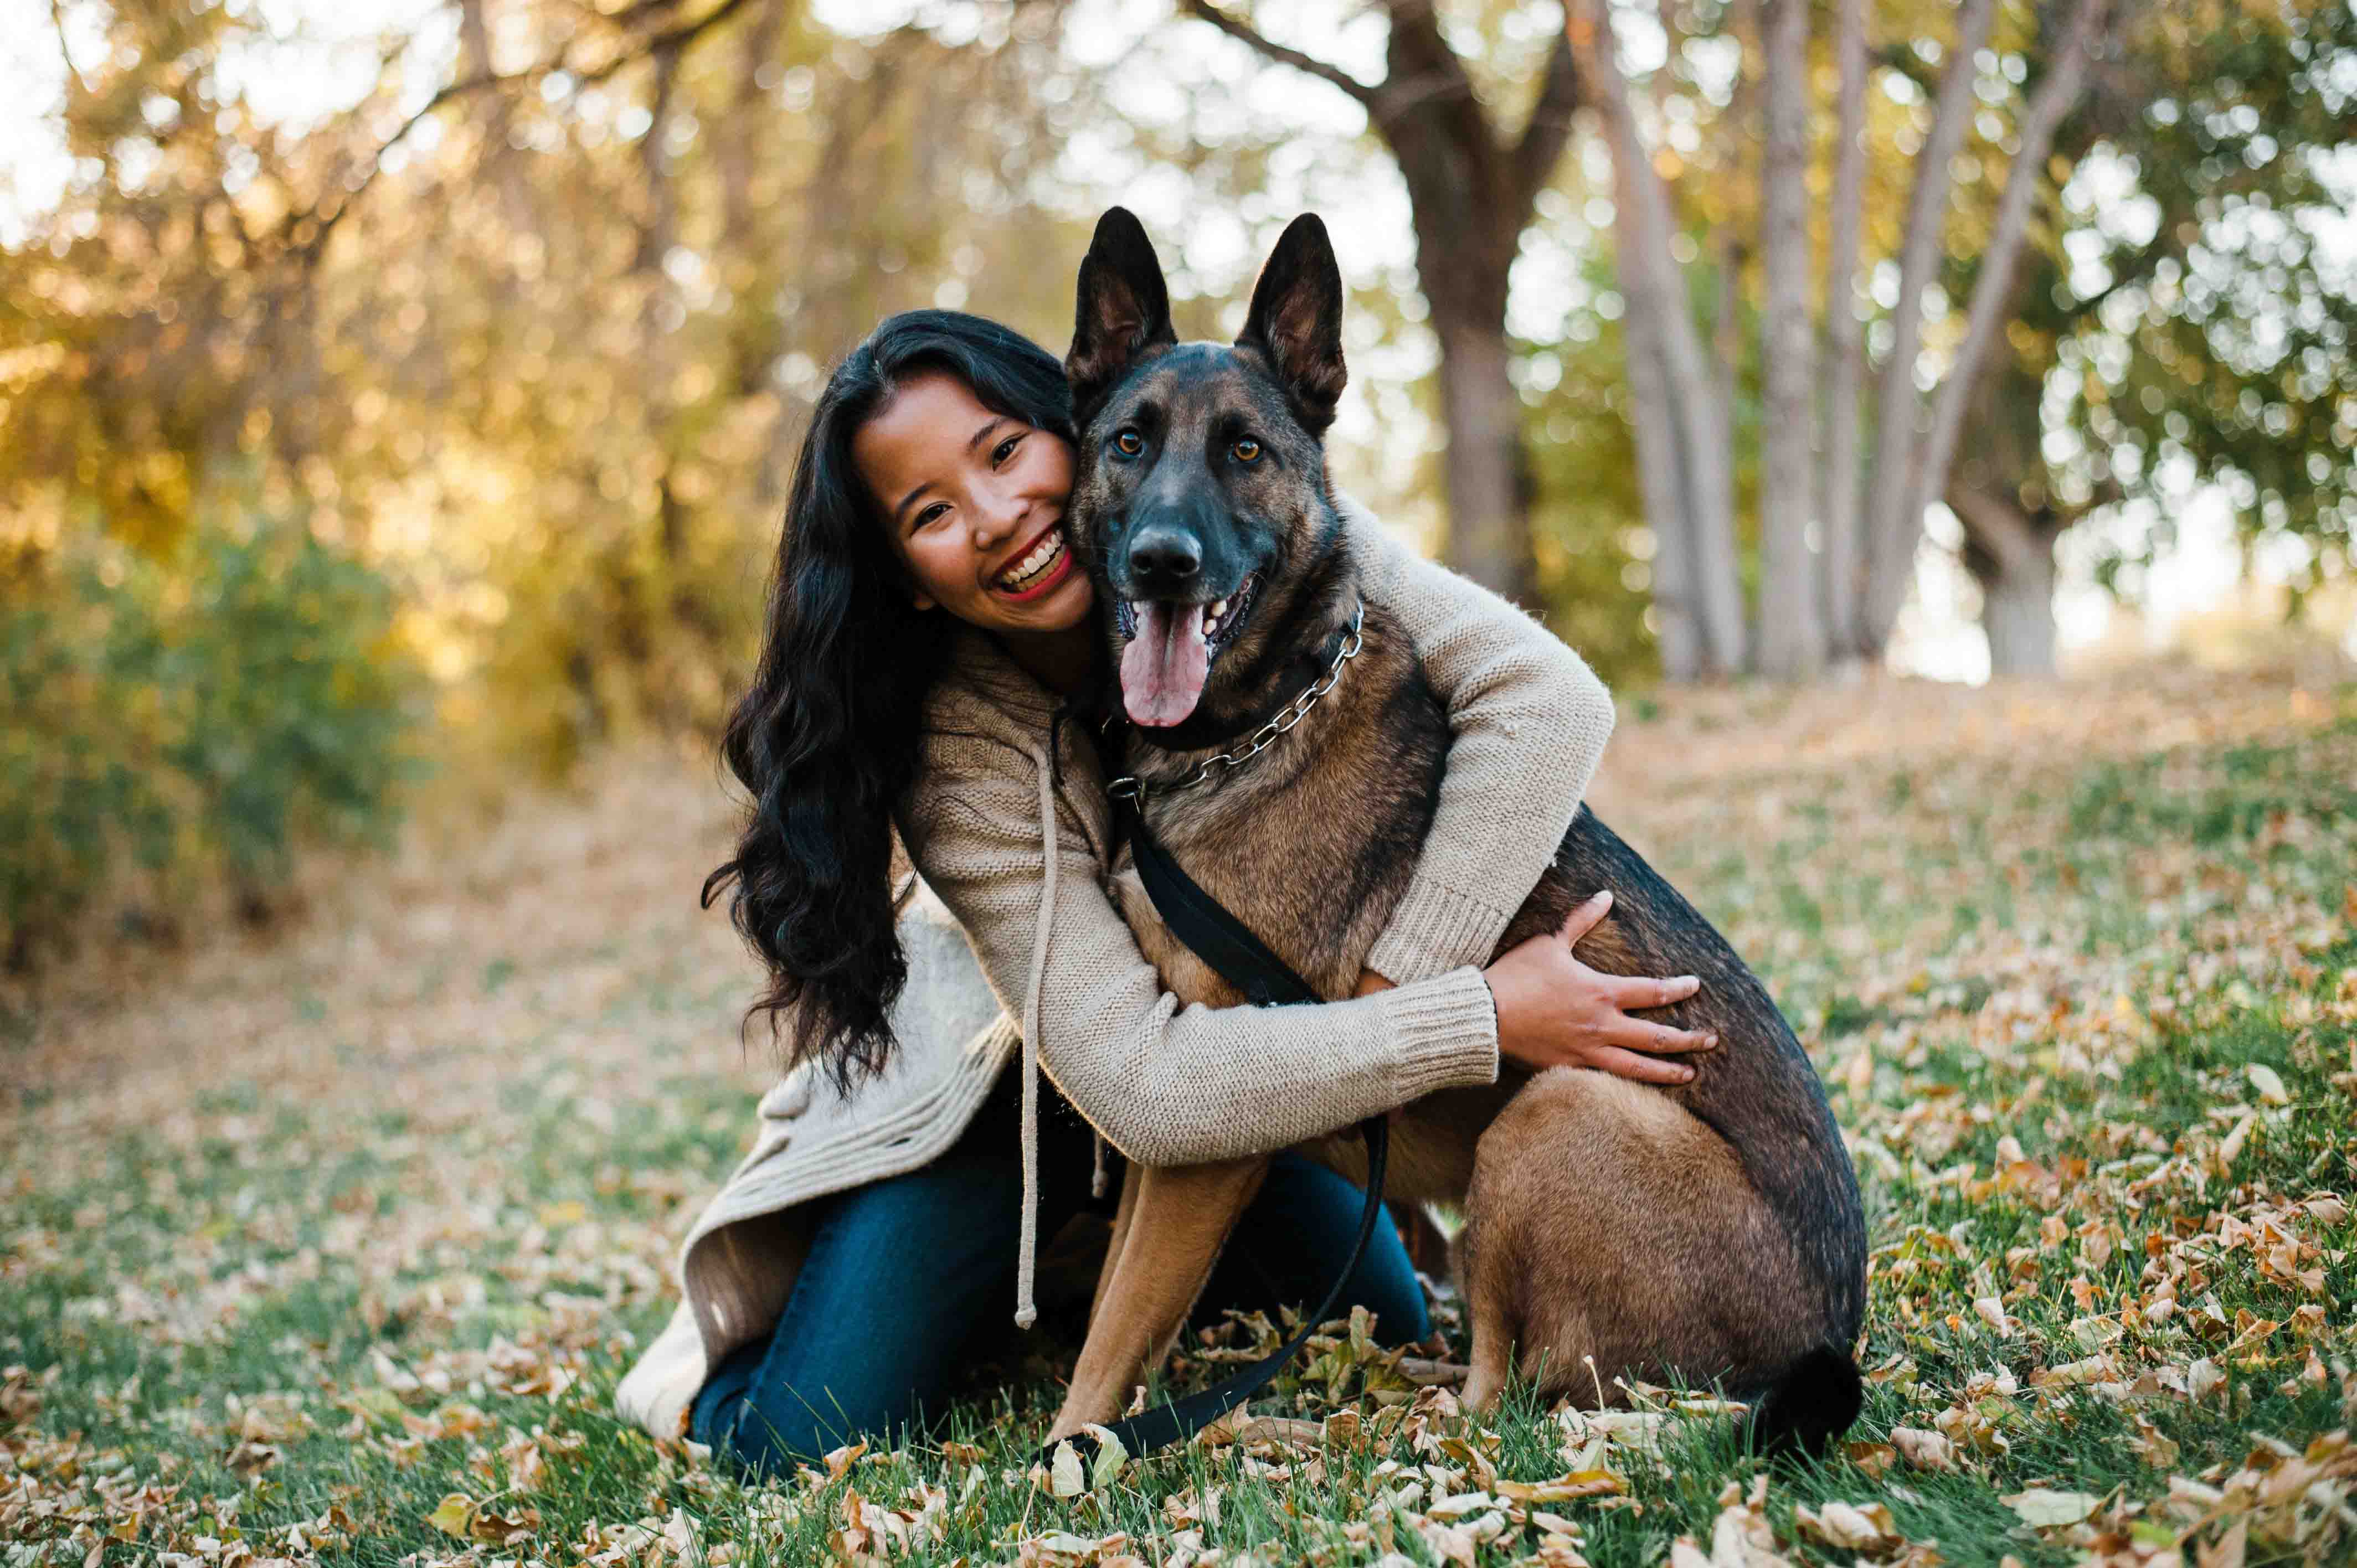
[1675, 391]
[1792, 641]
[1684, 447]
[1471, 191]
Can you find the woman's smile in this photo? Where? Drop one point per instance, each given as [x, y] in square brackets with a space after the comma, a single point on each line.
[1039, 567]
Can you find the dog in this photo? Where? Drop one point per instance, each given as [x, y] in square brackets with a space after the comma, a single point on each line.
[1708, 1233]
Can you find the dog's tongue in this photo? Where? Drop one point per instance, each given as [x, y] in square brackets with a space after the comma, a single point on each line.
[1163, 667]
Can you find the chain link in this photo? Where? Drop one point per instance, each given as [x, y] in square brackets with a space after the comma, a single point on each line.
[1129, 787]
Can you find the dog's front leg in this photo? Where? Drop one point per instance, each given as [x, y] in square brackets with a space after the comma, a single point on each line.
[1174, 1222]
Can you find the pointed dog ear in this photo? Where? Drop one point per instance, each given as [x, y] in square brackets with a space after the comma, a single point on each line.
[1296, 320]
[1124, 310]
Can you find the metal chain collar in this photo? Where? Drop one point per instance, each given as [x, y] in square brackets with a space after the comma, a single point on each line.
[1129, 787]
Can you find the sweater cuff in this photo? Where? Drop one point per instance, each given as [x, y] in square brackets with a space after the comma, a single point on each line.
[1446, 1030]
[1433, 931]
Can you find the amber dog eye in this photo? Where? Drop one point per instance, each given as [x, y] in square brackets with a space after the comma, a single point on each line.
[1128, 441]
[1246, 451]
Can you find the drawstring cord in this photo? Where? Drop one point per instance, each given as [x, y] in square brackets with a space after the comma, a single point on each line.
[1026, 1312]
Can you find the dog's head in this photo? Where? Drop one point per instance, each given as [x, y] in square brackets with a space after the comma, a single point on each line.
[1201, 488]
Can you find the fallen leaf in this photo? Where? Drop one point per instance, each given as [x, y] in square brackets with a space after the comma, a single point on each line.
[2044, 1510]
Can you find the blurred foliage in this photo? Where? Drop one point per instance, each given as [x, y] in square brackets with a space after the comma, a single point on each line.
[2199, 327]
[191, 713]
[535, 353]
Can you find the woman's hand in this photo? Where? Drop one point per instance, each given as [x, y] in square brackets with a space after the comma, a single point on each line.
[1554, 1011]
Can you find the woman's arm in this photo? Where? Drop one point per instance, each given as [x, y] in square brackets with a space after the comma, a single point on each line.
[1529, 720]
[1167, 1085]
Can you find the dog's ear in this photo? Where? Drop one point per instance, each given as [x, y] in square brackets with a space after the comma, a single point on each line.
[1124, 310]
[1296, 320]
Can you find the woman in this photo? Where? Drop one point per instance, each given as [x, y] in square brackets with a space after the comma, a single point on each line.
[928, 668]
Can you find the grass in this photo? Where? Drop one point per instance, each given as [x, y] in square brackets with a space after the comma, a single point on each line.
[334, 1247]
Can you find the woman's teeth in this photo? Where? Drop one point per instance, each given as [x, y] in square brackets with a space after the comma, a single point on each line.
[1026, 573]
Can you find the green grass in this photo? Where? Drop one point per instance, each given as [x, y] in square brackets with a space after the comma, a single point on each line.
[2040, 998]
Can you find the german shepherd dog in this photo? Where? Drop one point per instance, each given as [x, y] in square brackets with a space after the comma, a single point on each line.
[1708, 1233]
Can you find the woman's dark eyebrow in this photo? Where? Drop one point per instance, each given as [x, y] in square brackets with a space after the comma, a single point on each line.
[983, 435]
[912, 495]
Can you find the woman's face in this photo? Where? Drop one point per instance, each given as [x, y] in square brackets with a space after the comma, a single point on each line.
[974, 502]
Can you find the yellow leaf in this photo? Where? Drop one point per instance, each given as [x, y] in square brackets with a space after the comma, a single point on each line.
[455, 1514]
[1563, 1489]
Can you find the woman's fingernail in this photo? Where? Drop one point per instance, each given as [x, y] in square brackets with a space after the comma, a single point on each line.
[1710, 1042]
[1604, 898]
[1687, 1077]
[1692, 983]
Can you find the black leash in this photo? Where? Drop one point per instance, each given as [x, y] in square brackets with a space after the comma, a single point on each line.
[1249, 964]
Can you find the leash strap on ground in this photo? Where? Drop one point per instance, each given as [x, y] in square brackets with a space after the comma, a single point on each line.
[1249, 964]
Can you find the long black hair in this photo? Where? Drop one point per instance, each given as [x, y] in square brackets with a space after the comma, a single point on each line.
[826, 738]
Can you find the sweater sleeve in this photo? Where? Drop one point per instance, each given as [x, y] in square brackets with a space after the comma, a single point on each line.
[1529, 720]
[1167, 1085]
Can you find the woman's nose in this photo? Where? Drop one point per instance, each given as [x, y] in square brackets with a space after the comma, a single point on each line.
[998, 516]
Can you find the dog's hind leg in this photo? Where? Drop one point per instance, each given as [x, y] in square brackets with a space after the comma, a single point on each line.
[1610, 1233]
[1177, 1220]
[1493, 1350]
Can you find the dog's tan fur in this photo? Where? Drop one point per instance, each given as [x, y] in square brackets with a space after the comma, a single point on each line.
[1709, 1232]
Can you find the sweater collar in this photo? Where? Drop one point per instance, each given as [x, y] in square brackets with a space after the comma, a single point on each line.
[982, 665]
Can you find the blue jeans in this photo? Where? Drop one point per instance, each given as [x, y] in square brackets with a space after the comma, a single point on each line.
[902, 1272]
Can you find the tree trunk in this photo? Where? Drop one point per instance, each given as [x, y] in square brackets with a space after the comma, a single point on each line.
[2010, 555]
[1680, 634]
[2017, 614]
[1898, 405]
[1651, 282]
[1792, 631]
[1486, 471]
[1844, 555]
[1993, 304]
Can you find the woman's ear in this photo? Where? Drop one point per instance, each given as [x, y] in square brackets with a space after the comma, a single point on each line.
[924, 602]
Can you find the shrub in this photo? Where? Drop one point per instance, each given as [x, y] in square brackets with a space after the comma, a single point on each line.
[196, 717]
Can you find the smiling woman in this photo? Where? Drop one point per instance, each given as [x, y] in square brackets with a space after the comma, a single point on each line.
[932, 673]
[974, 502]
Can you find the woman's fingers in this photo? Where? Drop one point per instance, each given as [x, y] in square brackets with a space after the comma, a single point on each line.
[1583, 919]
[1634, 993]
[1639, 1036]
[1642, 1068]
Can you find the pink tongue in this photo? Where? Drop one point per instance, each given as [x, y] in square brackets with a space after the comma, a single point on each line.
[1162, 668]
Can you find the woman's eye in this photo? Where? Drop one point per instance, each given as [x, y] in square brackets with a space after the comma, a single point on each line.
[1128, 441]
[1245, 451]
[930, 515]
[1005, 450]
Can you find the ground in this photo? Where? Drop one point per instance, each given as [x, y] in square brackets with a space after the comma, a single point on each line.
[333, 1244]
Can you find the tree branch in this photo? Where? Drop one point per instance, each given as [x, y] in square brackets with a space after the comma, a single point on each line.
[1244, 32]
[57, 19]
[674, 38]
[1548, 129]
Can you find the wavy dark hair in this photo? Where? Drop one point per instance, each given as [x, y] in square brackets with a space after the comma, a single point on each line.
[825, 739]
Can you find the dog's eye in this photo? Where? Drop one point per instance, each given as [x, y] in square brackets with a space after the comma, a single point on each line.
[1128, 441]
[1245, 451]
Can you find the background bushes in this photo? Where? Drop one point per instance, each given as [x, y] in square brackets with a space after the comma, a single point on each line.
[176, 722]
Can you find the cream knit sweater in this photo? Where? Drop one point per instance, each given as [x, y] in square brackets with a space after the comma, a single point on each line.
[1014, 840]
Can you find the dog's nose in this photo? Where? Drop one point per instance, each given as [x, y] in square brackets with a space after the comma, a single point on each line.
[1165, 556]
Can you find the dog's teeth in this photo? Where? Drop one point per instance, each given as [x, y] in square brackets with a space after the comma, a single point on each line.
[1219, 609]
